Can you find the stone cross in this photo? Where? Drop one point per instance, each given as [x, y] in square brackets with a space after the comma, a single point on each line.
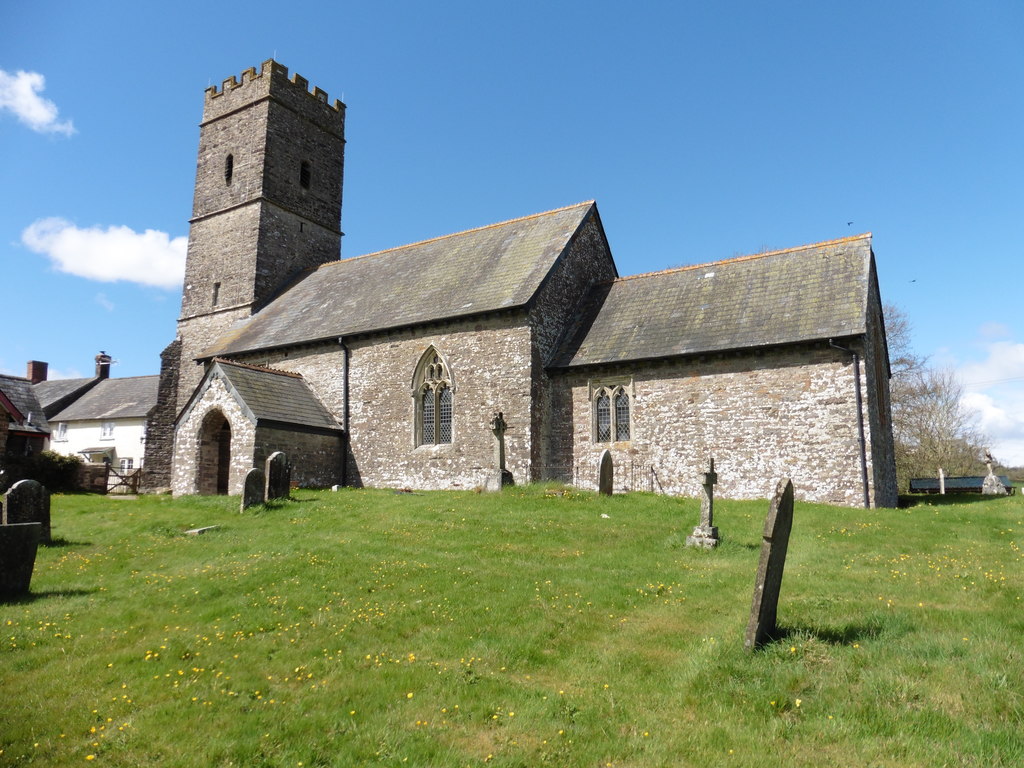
[500, 477]
[606, 474]
[705, 535]
[498, 427]
[768, 582]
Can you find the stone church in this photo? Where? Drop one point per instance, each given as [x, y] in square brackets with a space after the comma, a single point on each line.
[387, 369]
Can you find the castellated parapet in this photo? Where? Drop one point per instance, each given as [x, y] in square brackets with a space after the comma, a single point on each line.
[272, 80]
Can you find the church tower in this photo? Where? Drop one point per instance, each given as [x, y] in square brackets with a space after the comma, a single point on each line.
[267, 206]
[267, 201]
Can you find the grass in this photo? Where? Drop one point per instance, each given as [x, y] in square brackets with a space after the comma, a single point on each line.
[521, 629]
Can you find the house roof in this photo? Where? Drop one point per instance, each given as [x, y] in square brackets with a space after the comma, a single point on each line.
[273, 396]
[491, 268]
[57, 394]
[799, 294]
[128, 398]
[20, 394]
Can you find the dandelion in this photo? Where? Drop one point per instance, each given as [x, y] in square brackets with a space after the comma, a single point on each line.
[797, 702]
[408, 695]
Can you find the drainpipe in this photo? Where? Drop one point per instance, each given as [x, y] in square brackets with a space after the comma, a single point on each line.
[860, 420]
[346, 356]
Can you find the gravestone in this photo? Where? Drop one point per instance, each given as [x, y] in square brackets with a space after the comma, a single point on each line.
[768, 584]
[27, 501]
[606, 474]
[705, 535]
[255, 488]
[279, 476]
[501, 476]
[18, 545]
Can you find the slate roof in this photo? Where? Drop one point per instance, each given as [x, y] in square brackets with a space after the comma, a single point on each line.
[127, 398]
[20, 392]
[492, 268]
[811, 292]
[275, 396]
[57, 394]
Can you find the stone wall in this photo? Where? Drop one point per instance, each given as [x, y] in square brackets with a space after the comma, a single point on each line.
[188, 441]
[762, 416]
[882, 451]
[587, 261]
[316, 458]
[160, 425]
[489, 359]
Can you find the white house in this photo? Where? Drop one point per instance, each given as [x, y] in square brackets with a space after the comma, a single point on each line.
[108, 423]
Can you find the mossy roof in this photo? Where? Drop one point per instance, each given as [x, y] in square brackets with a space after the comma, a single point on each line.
[127, 398]
[799, 294]
[497, 267]
[276, 396]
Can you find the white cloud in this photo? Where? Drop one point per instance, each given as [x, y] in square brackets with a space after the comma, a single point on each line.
[995, 393]
[111, 254]
[20, 93]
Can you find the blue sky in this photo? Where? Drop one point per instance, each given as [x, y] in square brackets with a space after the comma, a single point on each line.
[703, 130]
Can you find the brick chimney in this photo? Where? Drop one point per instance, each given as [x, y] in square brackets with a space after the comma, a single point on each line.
[103, 365]
[37, 371]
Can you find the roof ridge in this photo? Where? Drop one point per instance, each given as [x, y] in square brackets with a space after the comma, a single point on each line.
[261, 368]
[748, 257]
[458, 234]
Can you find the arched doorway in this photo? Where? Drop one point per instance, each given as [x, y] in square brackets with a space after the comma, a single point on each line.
[213, 470]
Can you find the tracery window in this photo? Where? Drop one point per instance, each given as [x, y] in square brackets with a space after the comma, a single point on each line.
[611, 416]
[434, 393]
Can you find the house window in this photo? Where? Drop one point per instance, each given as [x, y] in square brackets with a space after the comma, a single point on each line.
[107, 430]
[62, 431]
[127, 464]
[434, 393]
[612, 404]
[305, 175]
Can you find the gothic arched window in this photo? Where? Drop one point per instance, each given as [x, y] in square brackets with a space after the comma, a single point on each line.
[433, 392]
[611, 416]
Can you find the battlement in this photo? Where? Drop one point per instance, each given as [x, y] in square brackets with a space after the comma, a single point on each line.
[271, 76]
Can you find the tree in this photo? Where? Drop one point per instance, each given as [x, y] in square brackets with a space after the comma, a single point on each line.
[931, 429]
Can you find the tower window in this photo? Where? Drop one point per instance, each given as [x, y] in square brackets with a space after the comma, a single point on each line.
[304, 175]
[229, 168]
[216, 293]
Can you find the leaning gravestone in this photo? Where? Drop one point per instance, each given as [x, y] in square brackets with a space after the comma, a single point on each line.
[27, 501]
[768, 584]
[255, 488]
[18, 545]
[606, 474]
[279, 476]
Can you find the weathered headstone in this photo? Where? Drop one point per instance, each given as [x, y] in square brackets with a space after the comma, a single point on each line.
[705, 535]
[942, 482]
[606, 473]
[768, 584]
[27, 501]
[279, 476]
[18, 545]
[501, 476]
[255, 488]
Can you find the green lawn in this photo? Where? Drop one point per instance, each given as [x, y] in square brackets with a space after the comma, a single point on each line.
[520, 629]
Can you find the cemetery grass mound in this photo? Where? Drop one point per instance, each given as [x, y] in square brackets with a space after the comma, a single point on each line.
[514, 629]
